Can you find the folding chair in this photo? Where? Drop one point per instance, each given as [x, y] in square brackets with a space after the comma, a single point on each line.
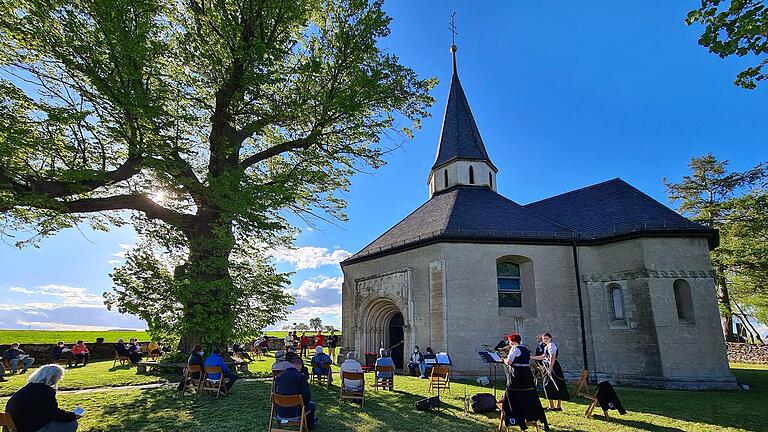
[275, 373]
[384, 383]
[502, 427]
[287, 402]
[581, 384]
[345, 393]
[122, 359]
[211, 385]
[440, 379]
[7, 421]
[593, 404]
[321, 378]
[192, 383]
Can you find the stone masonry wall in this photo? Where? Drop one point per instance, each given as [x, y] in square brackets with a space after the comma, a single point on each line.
[747, 353]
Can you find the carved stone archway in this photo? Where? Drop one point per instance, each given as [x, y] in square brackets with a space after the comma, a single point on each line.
[373, 325]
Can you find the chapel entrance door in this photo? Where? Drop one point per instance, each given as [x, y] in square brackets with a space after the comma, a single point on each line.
[396, 339]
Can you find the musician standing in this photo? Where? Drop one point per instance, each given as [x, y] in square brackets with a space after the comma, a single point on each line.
[555, 388]
[521, 402]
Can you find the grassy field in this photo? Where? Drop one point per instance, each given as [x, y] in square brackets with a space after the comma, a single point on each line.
[51, 337]
[247, 408]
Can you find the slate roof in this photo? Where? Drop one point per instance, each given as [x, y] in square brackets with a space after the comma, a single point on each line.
[459, 138]
[594, 214]
[610, 208]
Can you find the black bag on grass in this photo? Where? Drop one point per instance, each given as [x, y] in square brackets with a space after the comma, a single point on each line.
[483, 403]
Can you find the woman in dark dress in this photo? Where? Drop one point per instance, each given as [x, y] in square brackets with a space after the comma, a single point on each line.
[555, 388]
[521, 402]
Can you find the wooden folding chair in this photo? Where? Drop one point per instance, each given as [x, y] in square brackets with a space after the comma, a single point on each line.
[440, 378]
[287, 402]
[593, 404]
[502, 427]
[211, 385]
[581, 384]
[7, 421]
[122, 359]
[321, 378]
[275, 373]
[384, 383]
[345, 393]
[192, 383]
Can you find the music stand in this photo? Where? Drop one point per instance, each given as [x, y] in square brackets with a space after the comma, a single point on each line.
[491, 358]
[441, 359]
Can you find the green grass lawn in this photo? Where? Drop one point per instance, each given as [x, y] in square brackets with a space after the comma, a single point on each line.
[247, 408]
[96, 374]
[70, 337]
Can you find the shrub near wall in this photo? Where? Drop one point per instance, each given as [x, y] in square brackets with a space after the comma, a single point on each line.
[747, 353]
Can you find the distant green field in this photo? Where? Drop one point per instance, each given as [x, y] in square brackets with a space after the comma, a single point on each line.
[43, 336]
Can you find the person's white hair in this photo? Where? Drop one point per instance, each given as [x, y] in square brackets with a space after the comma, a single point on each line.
[319, 349]
[49, 374]
[351, 355]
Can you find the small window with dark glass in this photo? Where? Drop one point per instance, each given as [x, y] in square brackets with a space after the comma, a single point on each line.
[471, 175]
[508, 281]
[445, 177]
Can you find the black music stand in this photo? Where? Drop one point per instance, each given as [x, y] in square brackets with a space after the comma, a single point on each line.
[493, 359]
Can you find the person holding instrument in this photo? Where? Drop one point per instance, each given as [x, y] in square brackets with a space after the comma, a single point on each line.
[521, 402]
[555, 388]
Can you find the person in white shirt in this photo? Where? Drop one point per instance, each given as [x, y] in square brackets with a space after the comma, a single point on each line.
[351, 365]
[280, 363]
[555, 388]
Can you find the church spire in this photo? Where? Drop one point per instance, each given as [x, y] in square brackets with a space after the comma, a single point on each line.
[460, 142]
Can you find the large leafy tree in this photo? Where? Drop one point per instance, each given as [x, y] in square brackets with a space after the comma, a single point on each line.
[735, 27]
[206, 122]
[707, 196]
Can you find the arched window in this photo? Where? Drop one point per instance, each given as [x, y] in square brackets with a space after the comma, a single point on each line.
[445, 177]
[490, 180]
[471, 175]
[683, 301]
[617, 299]
[508, 281]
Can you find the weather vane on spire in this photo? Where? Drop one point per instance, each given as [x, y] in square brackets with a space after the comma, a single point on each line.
[452, 28]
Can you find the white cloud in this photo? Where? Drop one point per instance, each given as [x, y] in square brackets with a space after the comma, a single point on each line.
[309, 257]
[120, 255]
[44, 325]
[67, 294]
[316, 290]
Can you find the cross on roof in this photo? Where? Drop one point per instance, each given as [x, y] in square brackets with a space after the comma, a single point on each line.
[452, 28]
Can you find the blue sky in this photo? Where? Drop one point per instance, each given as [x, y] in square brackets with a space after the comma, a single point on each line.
[565, 96]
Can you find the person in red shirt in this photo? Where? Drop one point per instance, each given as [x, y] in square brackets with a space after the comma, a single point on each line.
[319, 339]
[80, 351]
[304, 342]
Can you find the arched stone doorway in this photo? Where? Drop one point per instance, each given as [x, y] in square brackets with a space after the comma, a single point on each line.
[382, 323]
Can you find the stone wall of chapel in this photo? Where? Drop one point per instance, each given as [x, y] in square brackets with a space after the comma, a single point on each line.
[474, 316]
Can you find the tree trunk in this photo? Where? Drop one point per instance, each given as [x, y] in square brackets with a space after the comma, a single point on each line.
[726, 311]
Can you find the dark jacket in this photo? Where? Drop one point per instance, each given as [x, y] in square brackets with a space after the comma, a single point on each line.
[122, 350]
[12, 354]
[34, 405]
[57, 353]
[195, 359]
[291, 382]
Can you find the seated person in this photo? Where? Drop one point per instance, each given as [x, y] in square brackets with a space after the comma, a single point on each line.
[61, 352]
[15, 356]
[154, 348]
[384, 360]
[124, 351]
[34, 407]
[321, 364]
[280, 362]
[429, 355]
[81, 353]
[2, 371]
[196, 358]
[416, 363]
[215, 360]
[289, 383]
[239, 351]
[351, 365]
[264, 345]
[290, 355]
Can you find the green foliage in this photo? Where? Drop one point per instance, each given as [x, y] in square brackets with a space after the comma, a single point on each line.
[204, 122]
[735, 27]
[316, 323]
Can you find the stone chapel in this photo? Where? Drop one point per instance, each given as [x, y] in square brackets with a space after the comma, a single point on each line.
[623, 283]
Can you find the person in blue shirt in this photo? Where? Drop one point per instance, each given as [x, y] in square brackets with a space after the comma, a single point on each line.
[321, 364]
[215, 360]
[384, 360]
[292, 382]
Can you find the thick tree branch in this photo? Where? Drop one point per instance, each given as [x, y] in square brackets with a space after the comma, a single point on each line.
[136, 202]
[296, 144]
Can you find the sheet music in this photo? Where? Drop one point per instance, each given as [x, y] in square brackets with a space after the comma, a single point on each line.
[496, 357]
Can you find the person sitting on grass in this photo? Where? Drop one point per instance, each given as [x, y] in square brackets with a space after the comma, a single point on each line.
[215, 360]
[34, 406]
[289, 383]
[81, 353]
[14, 356]
[351, 365]
[280, 362]
[321, 364]
[384, 360]
[61, 352]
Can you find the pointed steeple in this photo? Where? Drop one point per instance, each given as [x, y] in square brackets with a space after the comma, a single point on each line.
[460, 139]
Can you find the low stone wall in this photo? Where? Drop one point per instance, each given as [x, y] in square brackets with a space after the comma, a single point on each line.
[747, 353]
[42, 352]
